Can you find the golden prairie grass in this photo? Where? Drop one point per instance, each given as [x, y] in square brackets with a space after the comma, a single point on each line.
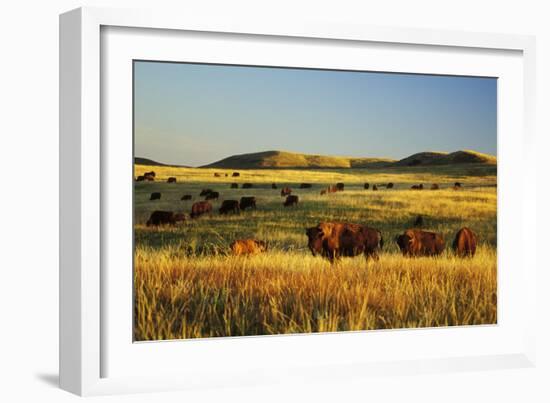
[178, 296]
[188, 286]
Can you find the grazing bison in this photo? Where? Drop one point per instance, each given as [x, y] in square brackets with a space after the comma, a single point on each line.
[247, 247]
[212, 196]
[465, 242]
[340, 187]
[172, 180]
[417, 187]
[155, 196]
[415, 242]
[285, 191]
[458, 184]
[204, 192]
[366, 186]
[140, 178]
[216, 175]
[151, 174]
[389, 185]
[305, 185]
[291, 200]
[419, 221]
[235, 174]
[435, 186]
[230, 206]
[234, 186]
[186, 197]
[248, 202]
[323, 192]
[374, 187]
[165, 217]
[200, 208]
[247, 186]
[333, 240]
[273, 186]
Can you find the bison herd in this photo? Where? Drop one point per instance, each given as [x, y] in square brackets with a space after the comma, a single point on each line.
[331, 240]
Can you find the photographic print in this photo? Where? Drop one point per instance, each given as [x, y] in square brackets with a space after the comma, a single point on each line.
[275, 200]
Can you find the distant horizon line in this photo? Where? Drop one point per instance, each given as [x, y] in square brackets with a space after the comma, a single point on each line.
[311, 154]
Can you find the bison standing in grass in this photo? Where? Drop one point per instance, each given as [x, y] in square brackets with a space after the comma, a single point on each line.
[340, 187]
[248, 202]
[415, 242]
[172, 179]
[389, 185]
[333, 240]
[155, 196]
[234, 186]
[366, 186]
[291, 200]
[212, 196]
[200, 208]
[242, 247]
[230, 206]
[465, 242]
[159, 217]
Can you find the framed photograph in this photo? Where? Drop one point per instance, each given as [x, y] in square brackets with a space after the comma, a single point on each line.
[250, 202]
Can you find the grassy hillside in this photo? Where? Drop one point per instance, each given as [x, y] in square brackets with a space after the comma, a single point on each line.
[440, 158]
[286, 159]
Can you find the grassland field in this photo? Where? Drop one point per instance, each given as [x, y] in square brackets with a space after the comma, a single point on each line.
[187, 285]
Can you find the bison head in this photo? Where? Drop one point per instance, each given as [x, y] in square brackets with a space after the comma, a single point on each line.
[403, 242]
[315, 239]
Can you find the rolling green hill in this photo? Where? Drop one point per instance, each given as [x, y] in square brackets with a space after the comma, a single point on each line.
[286, 159]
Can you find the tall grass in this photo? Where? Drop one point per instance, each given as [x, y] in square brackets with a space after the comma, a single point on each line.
[188, 286]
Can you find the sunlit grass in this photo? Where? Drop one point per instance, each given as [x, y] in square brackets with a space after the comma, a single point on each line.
[187, 286]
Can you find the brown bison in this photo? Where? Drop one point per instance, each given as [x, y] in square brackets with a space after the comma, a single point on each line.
[235, 174]
[247, 247]
[323, 192]
[234, 186]
[212, 196]
[248, 202]
[285, 191]
[155, 196]
[273, 186]
[417, 187]
[230, 206]
[172, 180]
[434, 186]
[186, 197]
[458, 184]
[333, 240]
[389, 185]
[291, 200]
[340, 187]
[204, 192]
[200, 208]
[247, 186]
[415, 242]
[374, 187]
[366, 186]
[165, 217]
[152, 174]
[216, 175]
[465, 242]
[305, 185]
[140, 178]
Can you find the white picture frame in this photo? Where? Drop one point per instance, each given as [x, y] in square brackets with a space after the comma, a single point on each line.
[85, 344]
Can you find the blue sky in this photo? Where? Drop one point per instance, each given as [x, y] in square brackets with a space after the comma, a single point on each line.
[193, 114]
